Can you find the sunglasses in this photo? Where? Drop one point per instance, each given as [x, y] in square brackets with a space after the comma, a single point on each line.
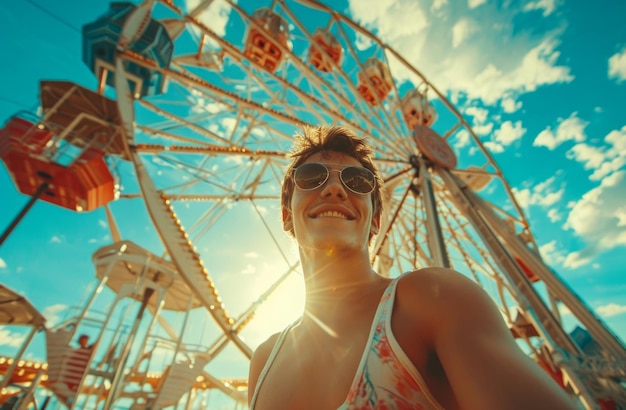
[313, 175]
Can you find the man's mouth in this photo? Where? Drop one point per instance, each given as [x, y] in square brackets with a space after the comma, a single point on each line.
[331, 214]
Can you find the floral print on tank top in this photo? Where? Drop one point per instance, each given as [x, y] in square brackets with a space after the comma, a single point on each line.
[384, 382]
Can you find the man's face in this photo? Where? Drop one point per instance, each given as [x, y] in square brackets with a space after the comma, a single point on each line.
[82, 341]
[331, 217]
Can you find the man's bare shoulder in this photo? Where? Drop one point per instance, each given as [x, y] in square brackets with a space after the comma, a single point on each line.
[446, 292]
[263, 351]
[258, 360]
[474, 345]
[437, 284]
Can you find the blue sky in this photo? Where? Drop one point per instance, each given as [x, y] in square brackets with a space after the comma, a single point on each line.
[542, 83]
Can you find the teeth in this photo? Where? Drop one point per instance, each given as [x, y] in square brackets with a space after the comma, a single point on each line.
[332, 214]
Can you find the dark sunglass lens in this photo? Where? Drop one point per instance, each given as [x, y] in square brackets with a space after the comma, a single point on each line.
[310, 176]
[358, 179]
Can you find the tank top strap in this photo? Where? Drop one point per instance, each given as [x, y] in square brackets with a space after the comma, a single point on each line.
[268, 363]
[385, 308]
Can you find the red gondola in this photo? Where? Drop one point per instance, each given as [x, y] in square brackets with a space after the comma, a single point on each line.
[325, 51]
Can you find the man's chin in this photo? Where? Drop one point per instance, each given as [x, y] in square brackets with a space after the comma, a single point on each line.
[333, 243]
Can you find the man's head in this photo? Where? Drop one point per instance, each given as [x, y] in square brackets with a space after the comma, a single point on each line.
[323, 140]
[83, 340]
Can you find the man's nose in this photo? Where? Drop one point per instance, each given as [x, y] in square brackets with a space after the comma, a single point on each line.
[334, 187]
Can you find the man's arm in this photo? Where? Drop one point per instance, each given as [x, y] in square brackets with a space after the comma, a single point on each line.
[257, 362]
[485, 367]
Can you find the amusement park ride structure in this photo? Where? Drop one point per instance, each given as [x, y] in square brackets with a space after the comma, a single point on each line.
[201, 102]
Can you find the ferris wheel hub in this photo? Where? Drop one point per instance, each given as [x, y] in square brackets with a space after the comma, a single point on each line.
[434, 147]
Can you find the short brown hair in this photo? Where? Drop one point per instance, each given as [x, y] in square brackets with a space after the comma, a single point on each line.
[321, 139]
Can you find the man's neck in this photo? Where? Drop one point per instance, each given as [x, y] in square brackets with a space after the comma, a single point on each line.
[337, 283]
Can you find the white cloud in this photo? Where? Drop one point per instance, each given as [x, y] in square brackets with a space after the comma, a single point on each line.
[571, 128]
[550, 254]
[55, 239]
[538, 67]
[548, 6]
[400, 23]
[554, 215]
[603, 160]
[510, 105]
[3, 264]
[611, 309]
[542, 194]
[462, 139]
[214, 16]
[575, 260]
[472, 4]
[617, 66]
[494, 147]
[462, 30]
[509, 132]
[102, 223]
[250, 269]
[522, 196]
[551, 198]
[52, 314]
[362, 42]
[479, 114]
[491, 64]
[438, 5]
[598, 217]
[251, 255]
[483, 129]
[590, 156]
[9, 338]
[202, 105]
[479, 120]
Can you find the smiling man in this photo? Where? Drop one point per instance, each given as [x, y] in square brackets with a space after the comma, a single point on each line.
[430, 339]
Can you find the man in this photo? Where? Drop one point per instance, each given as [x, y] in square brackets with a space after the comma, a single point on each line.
[430, 339]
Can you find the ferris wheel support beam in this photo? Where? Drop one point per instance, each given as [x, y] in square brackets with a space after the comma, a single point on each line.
[557, 287]
[434, 234]
[545, 323]
[117, 381]
[40, 190]
[381, 245]
[219, 384]
[189, 271]
[185, 259]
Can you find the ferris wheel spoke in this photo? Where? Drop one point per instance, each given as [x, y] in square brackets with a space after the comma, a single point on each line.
[181, 121]
[388, 223]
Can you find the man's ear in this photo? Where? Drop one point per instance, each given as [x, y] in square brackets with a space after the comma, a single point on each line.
[287, 220]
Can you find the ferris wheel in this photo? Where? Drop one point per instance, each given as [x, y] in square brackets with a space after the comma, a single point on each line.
[193, 118]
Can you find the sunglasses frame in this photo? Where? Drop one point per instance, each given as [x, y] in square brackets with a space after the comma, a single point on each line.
[328, 171]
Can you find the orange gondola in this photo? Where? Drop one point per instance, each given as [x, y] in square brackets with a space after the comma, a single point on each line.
[84, 185]
[263, 45]
[375, 81]
[324, 51]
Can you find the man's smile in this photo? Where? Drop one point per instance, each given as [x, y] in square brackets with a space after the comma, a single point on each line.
[332, 211]
[331, 214]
